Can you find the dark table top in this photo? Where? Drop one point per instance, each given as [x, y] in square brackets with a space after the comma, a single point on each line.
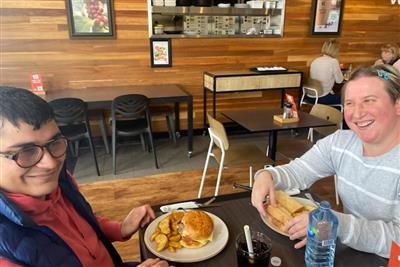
[236, 211]
[261, 120]
[108, 93]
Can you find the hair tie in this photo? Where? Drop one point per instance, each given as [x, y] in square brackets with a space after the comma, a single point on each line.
[383, 74]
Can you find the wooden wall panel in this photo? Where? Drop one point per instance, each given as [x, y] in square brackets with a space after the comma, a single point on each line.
[35, 39]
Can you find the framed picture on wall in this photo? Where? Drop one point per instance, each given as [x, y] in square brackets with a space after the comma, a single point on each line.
[326, 16]
[90, 18]
[160, 52]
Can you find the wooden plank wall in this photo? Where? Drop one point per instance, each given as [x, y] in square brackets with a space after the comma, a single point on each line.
[35, 39]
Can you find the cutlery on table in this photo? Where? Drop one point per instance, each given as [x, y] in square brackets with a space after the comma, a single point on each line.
[187, 205]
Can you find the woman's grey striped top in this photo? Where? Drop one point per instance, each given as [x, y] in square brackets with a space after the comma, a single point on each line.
[369, 188]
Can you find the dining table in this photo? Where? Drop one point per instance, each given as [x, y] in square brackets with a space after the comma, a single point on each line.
[262, 120]
[235, 210]
[101, 97]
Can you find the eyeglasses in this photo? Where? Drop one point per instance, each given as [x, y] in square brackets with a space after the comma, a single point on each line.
[29, 156]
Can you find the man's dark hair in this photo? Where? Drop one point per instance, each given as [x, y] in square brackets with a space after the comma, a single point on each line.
[22, 106]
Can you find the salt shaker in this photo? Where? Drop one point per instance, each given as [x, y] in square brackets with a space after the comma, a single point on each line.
[287, 110]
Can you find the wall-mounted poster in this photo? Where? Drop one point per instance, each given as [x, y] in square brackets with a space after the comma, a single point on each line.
[160, 52]
[326, 16]
[90, 18]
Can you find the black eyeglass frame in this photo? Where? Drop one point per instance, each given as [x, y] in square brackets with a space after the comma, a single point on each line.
[14, 155]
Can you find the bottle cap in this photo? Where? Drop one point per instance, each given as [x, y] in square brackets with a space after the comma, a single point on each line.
[276, 261]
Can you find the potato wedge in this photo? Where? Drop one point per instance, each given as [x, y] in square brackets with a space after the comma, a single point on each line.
[174, 238]
[162, 242]
[164, 225]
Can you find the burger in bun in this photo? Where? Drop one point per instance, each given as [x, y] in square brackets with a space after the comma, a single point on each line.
[197, 229]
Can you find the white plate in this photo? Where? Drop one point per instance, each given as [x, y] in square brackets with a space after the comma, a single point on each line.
[220, 239]
[302, 201]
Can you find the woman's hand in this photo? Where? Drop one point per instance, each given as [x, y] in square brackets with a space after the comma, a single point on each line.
[153, 262]
[263, 187]
[297, 229]
[138, 217]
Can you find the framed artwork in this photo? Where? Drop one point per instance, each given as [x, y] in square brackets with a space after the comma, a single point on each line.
[90, 18]
[160, 52]
[326, 17]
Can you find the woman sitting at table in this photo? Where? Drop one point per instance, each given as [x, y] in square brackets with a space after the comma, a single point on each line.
[326, 70]
[365, 160]
[390, 55]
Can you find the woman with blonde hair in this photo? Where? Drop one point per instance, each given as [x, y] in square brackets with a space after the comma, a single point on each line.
[390, 55]
[326, 70]
[365, 160]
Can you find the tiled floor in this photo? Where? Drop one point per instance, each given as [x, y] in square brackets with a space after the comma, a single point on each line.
[132, 161]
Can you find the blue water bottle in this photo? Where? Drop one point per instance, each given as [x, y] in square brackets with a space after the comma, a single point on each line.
[321, 237]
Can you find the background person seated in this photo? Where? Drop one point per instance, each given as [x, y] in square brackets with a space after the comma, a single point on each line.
[390, 54]
[44, 220]
[326, 70]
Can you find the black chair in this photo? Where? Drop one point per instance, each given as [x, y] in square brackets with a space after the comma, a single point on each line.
[71, 117]
[131, 117]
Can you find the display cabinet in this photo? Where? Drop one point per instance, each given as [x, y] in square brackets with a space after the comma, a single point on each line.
[236, 20]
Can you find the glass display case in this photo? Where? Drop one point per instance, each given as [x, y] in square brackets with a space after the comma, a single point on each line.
[254, 19]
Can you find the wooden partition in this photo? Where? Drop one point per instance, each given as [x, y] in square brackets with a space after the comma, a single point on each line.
[35, 39]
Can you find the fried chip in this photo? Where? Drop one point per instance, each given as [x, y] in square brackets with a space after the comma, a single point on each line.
[164, 225]
[166, 234]
[162, 242]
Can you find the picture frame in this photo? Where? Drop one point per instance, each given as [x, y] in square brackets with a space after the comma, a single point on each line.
[326, 16]
[160, 52]
[90, 18]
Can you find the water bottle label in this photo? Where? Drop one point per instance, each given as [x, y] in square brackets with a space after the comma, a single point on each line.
[329, 242]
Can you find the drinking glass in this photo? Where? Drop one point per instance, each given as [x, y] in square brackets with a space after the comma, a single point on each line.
[262, 250]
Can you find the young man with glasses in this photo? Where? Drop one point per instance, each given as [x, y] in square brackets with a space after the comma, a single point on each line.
[44, 220]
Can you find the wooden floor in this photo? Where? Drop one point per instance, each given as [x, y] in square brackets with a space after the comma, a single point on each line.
[115, 198]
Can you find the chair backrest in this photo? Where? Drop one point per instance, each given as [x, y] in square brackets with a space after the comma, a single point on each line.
[312, 86]
[69, 111]
[132, 106]
[219, 130]
[327, 113]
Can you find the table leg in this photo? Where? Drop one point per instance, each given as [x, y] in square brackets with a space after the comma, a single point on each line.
[214, 104]
[177, 119]
[204, 108]
[190, 125]
[272, 144]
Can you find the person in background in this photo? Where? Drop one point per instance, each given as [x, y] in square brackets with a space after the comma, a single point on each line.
[365, 159]
[390, 55]
[44, 219]
[326, 70]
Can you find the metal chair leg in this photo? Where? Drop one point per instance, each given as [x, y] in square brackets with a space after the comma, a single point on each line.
[113, 147]
[153, 149]
[171, 127]
[91, 145]
[203, 177]
[143, 142]
[102, 124]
